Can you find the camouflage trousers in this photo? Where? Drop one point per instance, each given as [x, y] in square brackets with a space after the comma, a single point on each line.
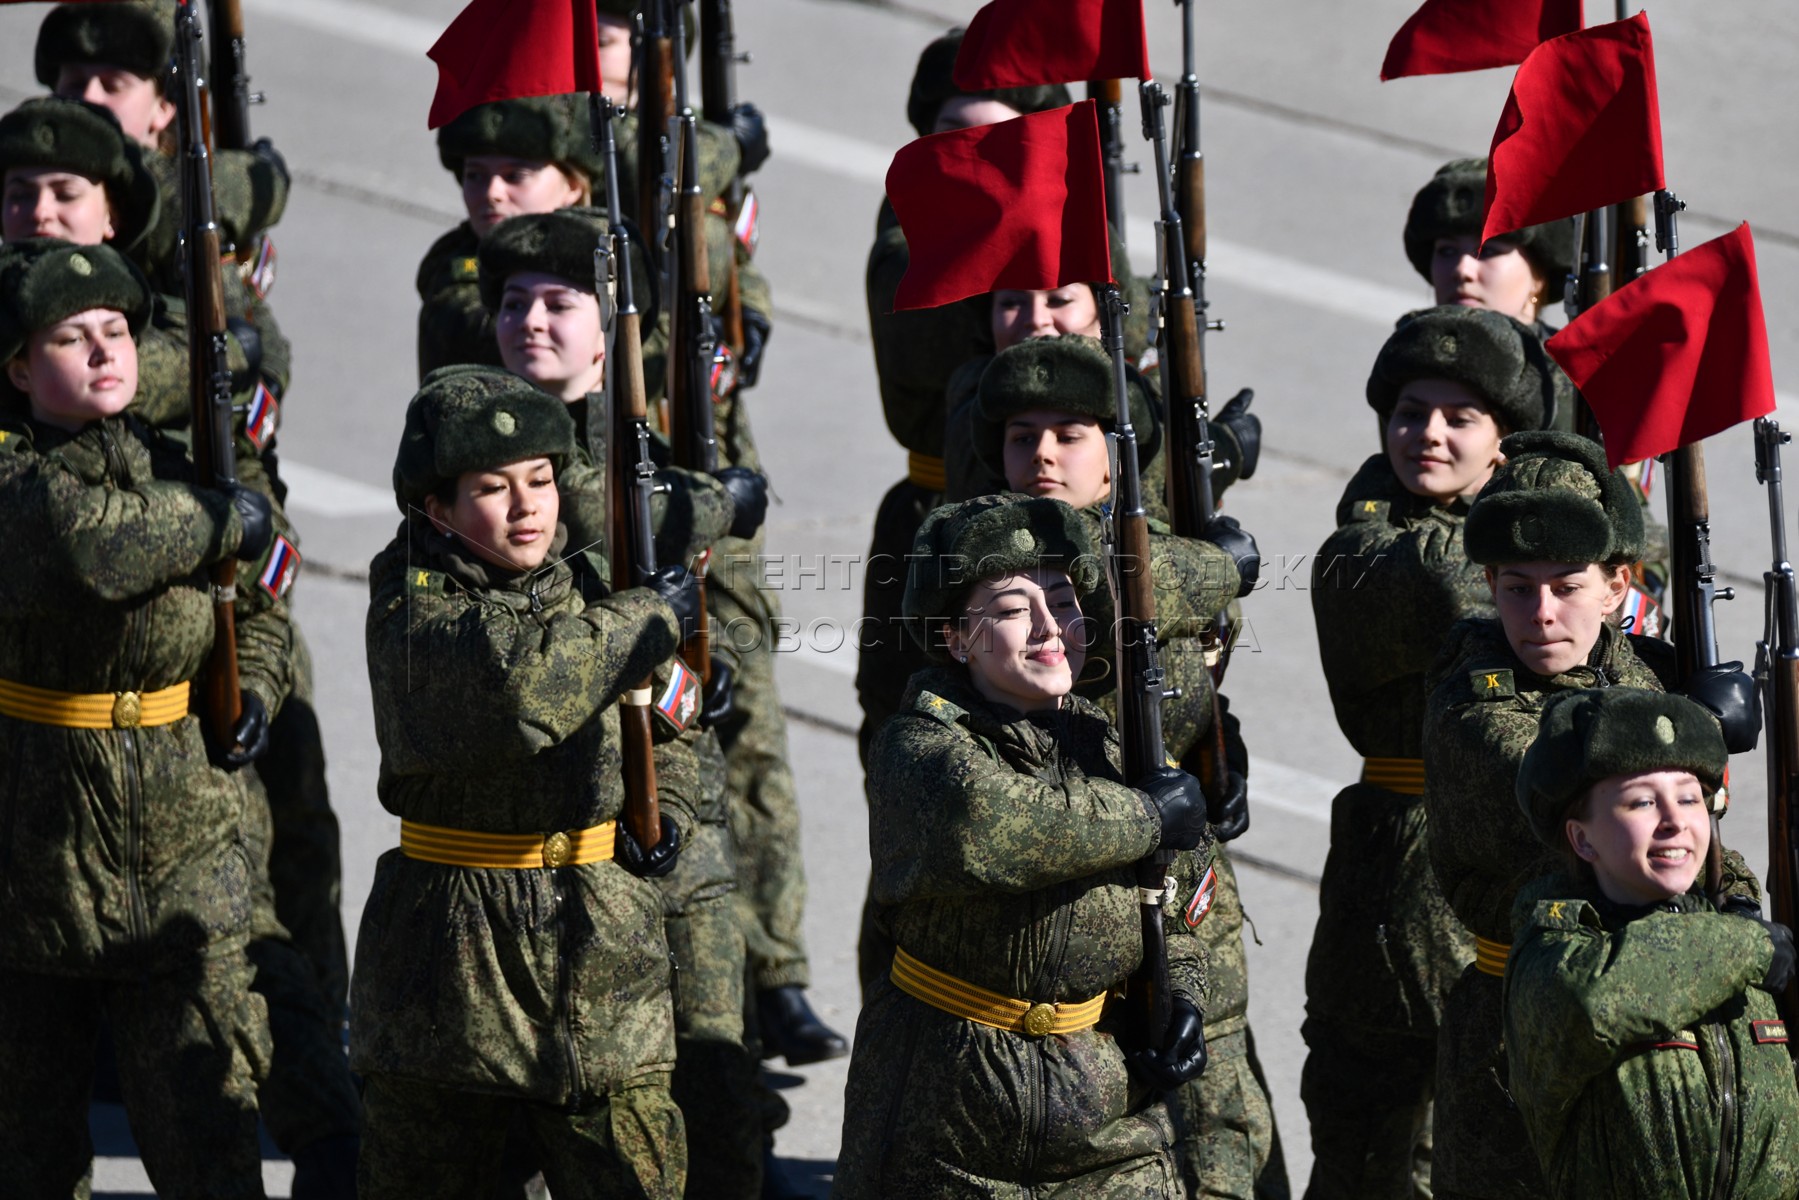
[191, 1041]
[1481, 1151]
[309, 1093]
[764, 808]
[717, 1079]
[1368, 1098]
[438, 1143]
[1226, 1143]
[305, 862]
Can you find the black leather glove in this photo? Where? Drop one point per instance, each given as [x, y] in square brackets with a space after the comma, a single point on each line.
[265, 150]
[1182, 1056]
[256, 515]
[749, 496]
[751, 128]
[249, 340]
[1741, 906]
[653, 863]
[755, 339]
[718, 708]
[249, 737]
[1230, 536]
[1229, 813]
[1780, 971]
[678, 586]
[1177, 799]
[1246, 428]
[1731, 695]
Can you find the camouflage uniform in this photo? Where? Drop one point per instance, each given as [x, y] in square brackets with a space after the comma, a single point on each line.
[122, 859]
[1621, 1022]
[1480, 719]
[487, 994]
[1003, 849]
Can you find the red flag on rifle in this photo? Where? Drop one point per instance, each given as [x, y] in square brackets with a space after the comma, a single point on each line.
[1675, 355]
[1020, 204]
[1446, 36]
[1024, 43]
[1581, 129]
[504, 49]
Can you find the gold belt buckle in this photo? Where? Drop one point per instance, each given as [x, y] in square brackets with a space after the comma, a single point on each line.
[127, 710]
[1040, 1019]
[558, 848]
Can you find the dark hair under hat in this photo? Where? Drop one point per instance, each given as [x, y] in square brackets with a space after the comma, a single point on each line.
[472, 418]
[1453, 204]
[56, 133]
[1497, 357]
[45, 280]
[1071, 374]
[554, 129]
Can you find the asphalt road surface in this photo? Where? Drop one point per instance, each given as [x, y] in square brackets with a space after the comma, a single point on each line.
[1311, 166]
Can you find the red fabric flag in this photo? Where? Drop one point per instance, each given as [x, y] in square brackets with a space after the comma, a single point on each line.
[1020, 204]
[504, 49]
[1675, 355]
[1446, 36]
[1581, 129]
[1024, 43]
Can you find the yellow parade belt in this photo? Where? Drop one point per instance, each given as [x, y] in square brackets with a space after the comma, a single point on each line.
[99, 710]
[925, 472]
[1402, 775]
[507, 851]
[1490, 957]
[977, 1004]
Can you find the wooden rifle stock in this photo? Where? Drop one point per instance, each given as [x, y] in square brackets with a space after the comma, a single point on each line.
[229, 79]
[718, 102]
[1109, 93]
[1190, 185]
[630, 482]
[209, 379]
[655, 71]
[1777, 671]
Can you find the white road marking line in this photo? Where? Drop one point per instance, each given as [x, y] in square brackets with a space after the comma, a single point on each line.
[327, 495]
[1290, 790]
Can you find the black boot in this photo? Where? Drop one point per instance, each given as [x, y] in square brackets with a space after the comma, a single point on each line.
[791, 1030]
[326, 1169]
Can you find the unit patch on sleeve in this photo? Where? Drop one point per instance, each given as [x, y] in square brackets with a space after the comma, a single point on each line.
[679, 702]
[278, 572]
[262, 418]
[1204, 896]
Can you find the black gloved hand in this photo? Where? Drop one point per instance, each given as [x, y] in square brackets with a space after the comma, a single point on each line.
[1731, 695]
[1229, 813]
[653, 863]
[249, 340]
[751, 129]
[681, 589]
[1246, 428]
[756, 330]
[1741, 906]
[249, 737]
[1230, 536]
[749, 496]
[1182, 1056]
[718, 708]
[1176, 798]
[265, 150]
[1780, 971]
[256, 516]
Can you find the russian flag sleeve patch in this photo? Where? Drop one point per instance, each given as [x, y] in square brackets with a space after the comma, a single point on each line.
[278, 571]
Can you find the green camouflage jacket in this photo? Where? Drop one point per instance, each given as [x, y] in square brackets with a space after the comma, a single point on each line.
[1643, 1056]
[1480, 718]
[496, 711]
[120, 849]
[1386, 588]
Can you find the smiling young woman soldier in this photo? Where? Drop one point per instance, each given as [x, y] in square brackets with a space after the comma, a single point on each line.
[1557, 532]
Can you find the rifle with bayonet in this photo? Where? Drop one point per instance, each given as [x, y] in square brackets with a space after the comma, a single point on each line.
[654, 67]
[1109, 94]
[209, 376]
[1140, 674]
[630, 473]
[1777, 673]
[718, 102]
[229, 78]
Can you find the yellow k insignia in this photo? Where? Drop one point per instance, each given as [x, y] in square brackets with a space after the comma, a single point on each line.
[1367, 506]
[4, 435]
[937, 703]
[423, 578]
[1492, 683]
[1555, 909]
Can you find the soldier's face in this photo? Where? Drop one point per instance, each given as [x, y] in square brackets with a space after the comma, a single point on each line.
[1552, 612]
[495, 187]
[1645, 835]
[1498, 277]
[1059, 455]
[1019, 315]
[1023, 639]
[78, 370]
[1441, 440]
[968, 112]
[615, 61]
[549, 332]
[506, 516]
[43, 202]
[137, 102]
